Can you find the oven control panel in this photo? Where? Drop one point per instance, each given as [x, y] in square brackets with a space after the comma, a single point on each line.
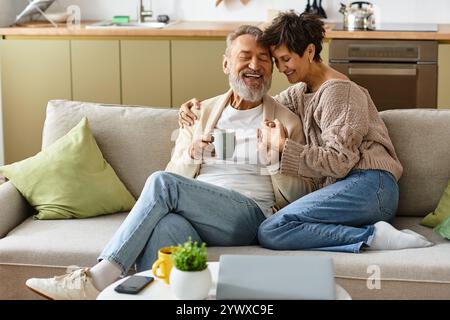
[416, 51]
[382, 52]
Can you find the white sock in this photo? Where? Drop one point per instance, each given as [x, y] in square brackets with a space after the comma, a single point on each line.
[104, 273]
[386, 237]
[413, 233]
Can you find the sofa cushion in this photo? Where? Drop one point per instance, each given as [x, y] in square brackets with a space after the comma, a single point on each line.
[36, 244]
[422, 273]
[56, 242]
[421, 140]
[59, 242]
[70, 179]
[423, 264]
[134, 141]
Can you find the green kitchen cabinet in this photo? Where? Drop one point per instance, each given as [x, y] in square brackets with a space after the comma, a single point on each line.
[444, 75]
[33, 72]
[145, 69]
[325, 54]
[96, 71]
[279, 80]
[197, 70]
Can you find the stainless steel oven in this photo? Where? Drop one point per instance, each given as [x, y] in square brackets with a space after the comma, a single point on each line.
[398, 74]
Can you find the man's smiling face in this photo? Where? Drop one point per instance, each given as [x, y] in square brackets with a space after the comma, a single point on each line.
[249, 67]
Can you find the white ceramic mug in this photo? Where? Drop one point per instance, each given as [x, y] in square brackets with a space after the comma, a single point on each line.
[224, 143]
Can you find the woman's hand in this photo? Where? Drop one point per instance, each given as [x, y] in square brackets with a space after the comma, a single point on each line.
[274, 135]
[201, 149]
[185, 116]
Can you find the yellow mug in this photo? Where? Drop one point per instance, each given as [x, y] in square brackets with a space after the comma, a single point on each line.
[164, 263]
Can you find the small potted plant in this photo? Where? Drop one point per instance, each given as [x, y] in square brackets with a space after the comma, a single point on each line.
[190, 278]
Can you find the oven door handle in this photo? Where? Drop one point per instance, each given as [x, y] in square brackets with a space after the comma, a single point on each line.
[383, 71]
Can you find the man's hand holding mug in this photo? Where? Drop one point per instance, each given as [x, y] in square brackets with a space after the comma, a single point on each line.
[202, 148]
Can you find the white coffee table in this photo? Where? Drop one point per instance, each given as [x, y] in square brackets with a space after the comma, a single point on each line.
[159, 290]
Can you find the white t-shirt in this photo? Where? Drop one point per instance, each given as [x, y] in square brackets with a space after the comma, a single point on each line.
[243, 173]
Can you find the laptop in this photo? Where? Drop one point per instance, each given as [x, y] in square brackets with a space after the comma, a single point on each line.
[248, 277]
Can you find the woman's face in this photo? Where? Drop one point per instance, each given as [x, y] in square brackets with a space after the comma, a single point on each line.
[295, 68]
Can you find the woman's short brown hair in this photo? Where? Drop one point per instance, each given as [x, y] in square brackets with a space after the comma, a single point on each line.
[296, 31]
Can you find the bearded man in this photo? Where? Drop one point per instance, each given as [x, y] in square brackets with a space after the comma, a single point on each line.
[220, 202]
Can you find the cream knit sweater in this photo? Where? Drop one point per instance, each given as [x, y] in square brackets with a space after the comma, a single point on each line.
[343, 131]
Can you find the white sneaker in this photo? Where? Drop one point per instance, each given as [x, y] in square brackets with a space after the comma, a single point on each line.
[76, 285]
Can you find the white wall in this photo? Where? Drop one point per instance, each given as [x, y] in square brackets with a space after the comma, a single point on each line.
[436, 11]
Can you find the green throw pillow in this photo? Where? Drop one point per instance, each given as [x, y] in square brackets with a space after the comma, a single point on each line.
[443, 229]
[441, 212]
[70, 179]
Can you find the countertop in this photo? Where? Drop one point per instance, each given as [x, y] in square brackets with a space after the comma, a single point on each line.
[177, 29]
[209, 29]
[443, 34]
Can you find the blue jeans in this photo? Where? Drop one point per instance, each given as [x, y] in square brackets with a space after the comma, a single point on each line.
[338, 217]
[172, 208]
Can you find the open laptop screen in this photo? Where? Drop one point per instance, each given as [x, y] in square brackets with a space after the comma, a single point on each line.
[249, 277]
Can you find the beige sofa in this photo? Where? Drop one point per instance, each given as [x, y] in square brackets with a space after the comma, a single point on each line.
[138, 141]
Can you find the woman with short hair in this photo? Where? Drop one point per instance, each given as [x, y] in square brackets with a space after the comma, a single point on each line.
[348, 152]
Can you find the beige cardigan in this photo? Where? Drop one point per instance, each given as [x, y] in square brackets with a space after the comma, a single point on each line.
[343, 132]
[286, 188]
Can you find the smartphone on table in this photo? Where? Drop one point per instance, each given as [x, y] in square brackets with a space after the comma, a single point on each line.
[133, 284]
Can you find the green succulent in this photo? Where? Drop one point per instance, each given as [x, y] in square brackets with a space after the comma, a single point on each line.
[190, 256]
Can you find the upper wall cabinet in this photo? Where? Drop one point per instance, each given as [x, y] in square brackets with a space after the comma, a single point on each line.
[96, 71]
[33, 72]
[146, 72]
[197, 70]
[444, 76]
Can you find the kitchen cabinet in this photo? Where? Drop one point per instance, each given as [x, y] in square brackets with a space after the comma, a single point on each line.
[325, 54]
[444, 75]
[96, 71]
[279, 80]
[33, 72]
[145, 69]
[197, 70]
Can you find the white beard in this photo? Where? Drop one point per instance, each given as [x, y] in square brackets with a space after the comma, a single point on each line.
[242, 90]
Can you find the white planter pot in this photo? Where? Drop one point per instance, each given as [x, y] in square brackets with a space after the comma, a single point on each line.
[190, 285]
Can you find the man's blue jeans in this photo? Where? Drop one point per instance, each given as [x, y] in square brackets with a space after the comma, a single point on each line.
[172, 208]
[339, 217]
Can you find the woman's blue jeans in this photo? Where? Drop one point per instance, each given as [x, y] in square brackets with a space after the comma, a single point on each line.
[338, 217]
[173, 208]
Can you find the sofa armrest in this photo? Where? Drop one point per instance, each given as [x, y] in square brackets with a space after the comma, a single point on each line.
[13, 208]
